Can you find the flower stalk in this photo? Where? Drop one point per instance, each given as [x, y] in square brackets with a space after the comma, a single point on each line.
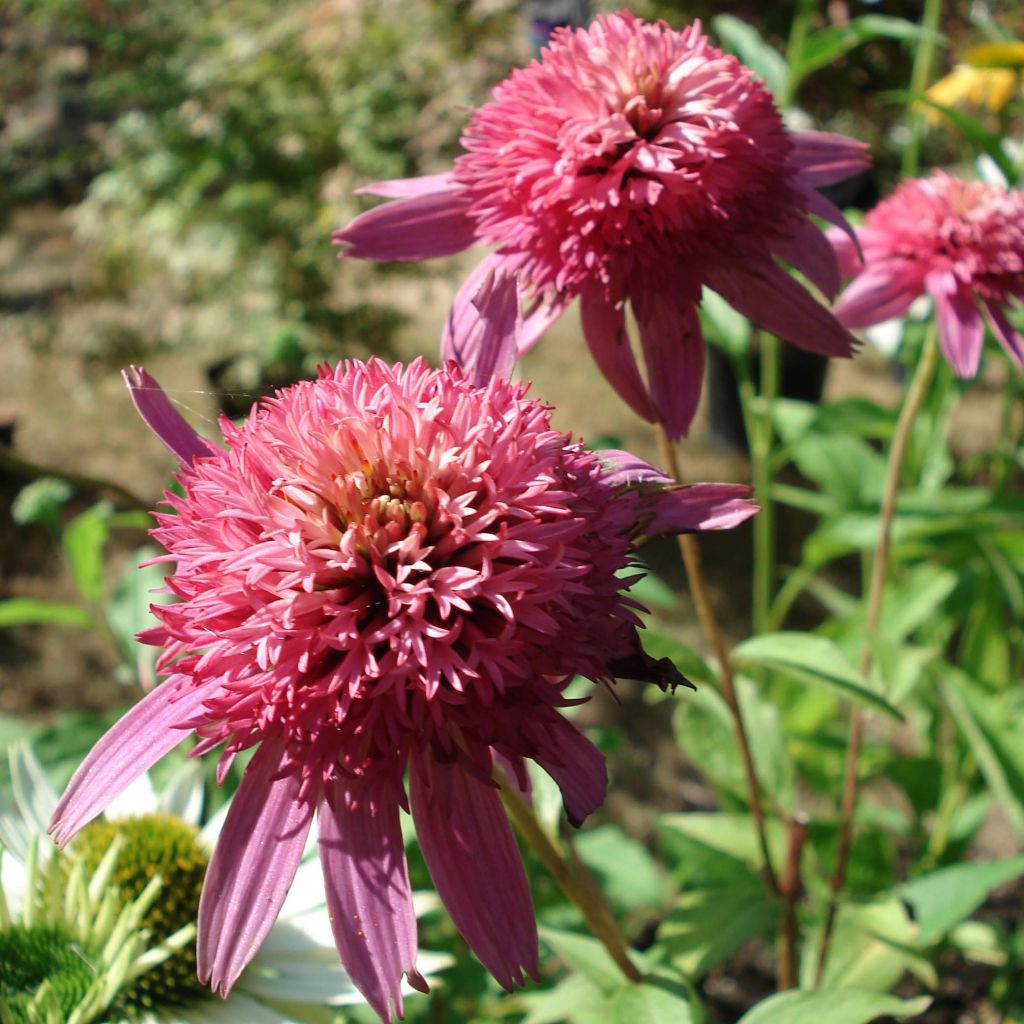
[921, 382]
[713, 633]
[588, 898]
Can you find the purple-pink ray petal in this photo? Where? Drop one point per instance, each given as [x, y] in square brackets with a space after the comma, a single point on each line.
[699, 507]
[770, 298]
[540, 317]
[823, 158]
[407, 188]
[876, 295]
[368, 894]
[482, 329]
[624, 469]
[604, 327]
[848, 253]
[413, 228]
[1005, 333]
[152, 728]
[252, 868]
[824, 208]
[673, 348]
[808, 250]
[161, 417]
[473, 859]
[576, 765]
[961, 329]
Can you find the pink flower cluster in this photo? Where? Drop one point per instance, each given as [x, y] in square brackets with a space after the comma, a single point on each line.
[961, 242]
[387, 570]
[630, 164]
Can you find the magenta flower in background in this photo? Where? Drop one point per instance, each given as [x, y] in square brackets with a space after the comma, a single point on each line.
[961, 242]
[630, 163]
[387, 570]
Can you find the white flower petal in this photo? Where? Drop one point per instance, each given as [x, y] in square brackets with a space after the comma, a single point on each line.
[236, 1009]
[307, 891]
[138, 798]
[209, 833]
[183, 794]
[299, 981]
[32, 790]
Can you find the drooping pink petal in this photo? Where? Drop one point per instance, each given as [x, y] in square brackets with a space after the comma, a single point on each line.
[407, 188]
[770, 298]
[368, 893]
[473, 859]
[538, 319]
[847, 253]
[699, 507]
[1005, 333]
[874, 296]
[673, 348]
[149, 730]
[823, 158]
[161, 417]
[514, 770]
[961, 329]
[816, 203]
[482, 329]
[252, 867]
[413, 228]
[808, 250]
[604, 327]
[624, 469]
[575, 764]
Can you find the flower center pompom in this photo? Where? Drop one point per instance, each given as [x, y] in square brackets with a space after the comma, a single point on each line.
[154, 844]
[623, 145]
[392, 557]
[969, 228]
[42, 955]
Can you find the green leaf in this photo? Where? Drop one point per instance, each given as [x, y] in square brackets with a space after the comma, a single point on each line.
[815, 660]
[706, 926]
[745, 42]
[586, 955]
[29, 611]
[41, 502]
[834, 1006]
[821, 48]
[575, 999]
[655, 1001]
[731, 834]
[723, 326]
[630, 875]
[83, 540]
[993, 753]
[845, 467]
[128, 612]
[944, 898]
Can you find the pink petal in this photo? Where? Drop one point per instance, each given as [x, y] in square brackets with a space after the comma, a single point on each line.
[808, 250]
[699, 507]
[252, 868]
[132, 746]
[673, 348]
[1005, 333]
[876, 295]
[368, 893]
[575, 764]
[816, 203]
[414, 228]
[482, 328]
[770, 298]
[604, 327]
[961, 329]
[475, 864]
[847, 253]
[406, 188]
[513, 767]
[823, 158]
[624, 469]
[161, 417]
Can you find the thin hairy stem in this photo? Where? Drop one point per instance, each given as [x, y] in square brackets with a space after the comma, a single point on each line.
[583, 893]
[716, 641]
[761, 472]
[788, 940]
[923, 375]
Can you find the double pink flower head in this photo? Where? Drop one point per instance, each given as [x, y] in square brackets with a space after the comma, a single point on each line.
[961, 242]
[630, 164]
[387, 572]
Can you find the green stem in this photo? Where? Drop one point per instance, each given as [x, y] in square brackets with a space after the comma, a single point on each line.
[919, 385]
[794, 47]
[761, 472]
[584, 894]
[919, 78]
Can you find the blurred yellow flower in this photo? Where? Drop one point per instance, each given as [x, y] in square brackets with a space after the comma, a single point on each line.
[989, 76]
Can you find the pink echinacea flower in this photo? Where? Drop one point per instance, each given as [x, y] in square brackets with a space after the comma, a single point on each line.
[387, 571]
[630, 163]
[961, 242]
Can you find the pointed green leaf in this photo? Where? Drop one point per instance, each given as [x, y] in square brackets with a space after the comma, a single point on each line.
[834, 1006]
[29, 611]
[656, 1001]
